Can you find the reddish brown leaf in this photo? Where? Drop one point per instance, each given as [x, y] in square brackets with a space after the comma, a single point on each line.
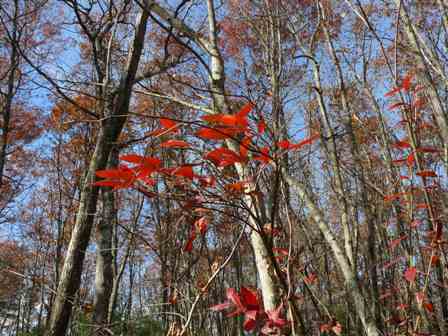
[238, 187]
[427, 173]
[201, 224]
[435, 260]
[310, 279]
[394, 243]
[207, 181]
[175, 144]
[428, 149]
[401, 145]
[429, 307]
[394, 106]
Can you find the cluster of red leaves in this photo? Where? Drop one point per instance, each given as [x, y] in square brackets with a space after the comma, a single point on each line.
[222, 127]
[412, 153]
[247, 303]
[198, 226]
[219, 127]
[405, 86]
[124, 176]
[333, 326]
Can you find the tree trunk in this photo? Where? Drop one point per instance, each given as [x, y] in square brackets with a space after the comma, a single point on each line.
[104, 274]
[108, 135]
[350, 277]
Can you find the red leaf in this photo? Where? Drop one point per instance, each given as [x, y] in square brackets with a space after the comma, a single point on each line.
[168, 126]
[223, 157]
[261, 126]
[419, 103]
[307, 141]
[167, 123]
[118, 178]
[264, 157]
[148, 181]
[337, 328]
[285, 144]
[406, 82]
[392, 92]
[410, 160]
[237, 186]
[426, 173]
[175, 144]
[274, 316]
[189, 245]
[282, 251]
[146, 161]
[249, 299]
[421, 206]
[429, 307]
[250, 321]
[219, 133]
[401, 145]
[410, 274]
[393, 197]
[133, 158]
[245, 110]
[324, 327]
[115, 173]
[233, 297]
[182, 171]
[224, 119]
[244, 147]
[238, 119]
